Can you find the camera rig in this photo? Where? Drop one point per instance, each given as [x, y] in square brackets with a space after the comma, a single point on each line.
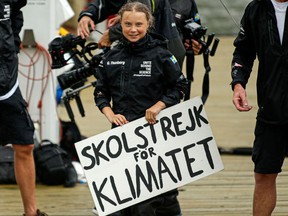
[77, 49]
[195, 31]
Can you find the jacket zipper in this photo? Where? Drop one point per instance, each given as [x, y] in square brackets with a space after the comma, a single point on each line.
[270, 31]
[128, 85]
[122, 79]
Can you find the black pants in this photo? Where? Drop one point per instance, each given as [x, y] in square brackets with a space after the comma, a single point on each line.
[163, 205]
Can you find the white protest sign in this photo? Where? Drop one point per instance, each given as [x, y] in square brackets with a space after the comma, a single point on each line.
[132, 163]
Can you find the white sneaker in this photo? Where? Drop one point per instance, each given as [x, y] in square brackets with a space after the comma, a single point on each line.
[95, 211]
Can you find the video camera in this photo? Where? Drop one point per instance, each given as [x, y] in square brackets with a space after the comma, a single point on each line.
[193, 30]
[77, 49]
[61, 45]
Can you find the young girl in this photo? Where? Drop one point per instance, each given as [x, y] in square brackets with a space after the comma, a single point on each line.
[140, 77]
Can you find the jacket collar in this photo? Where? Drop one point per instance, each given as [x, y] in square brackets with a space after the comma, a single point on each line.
[148, 41]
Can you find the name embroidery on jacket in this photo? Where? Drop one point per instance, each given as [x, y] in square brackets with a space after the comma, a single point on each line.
[6, 14]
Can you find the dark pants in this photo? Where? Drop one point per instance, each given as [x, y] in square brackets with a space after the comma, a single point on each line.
[16, 126]
[163, 205]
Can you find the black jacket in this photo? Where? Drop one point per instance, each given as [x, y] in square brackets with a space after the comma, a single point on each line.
[137, 75]
[259, 37]
[11, 22]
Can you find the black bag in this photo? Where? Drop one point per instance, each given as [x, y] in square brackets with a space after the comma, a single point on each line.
[70, 135]
[7, 175]
[54, 166]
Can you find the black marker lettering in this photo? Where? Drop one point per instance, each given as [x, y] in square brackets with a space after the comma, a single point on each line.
[147, 182]
[125, 144]
[137, 132]
[84, 152]
[109, 144]
[177, 124]
[189, 161]
[152, 131]
[100, 195]
[97, 153]
[192, 119]
[166, 128]
[120, 201]
[198, 115]
[205, 144]
[173, 155]
[130, 182]
[163, 168]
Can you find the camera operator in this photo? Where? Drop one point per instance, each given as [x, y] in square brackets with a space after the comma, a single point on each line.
[191, 32]
[99, 10]
[183, 11]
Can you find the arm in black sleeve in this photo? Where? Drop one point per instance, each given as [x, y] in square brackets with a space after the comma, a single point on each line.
[17, 23]
[175, 82]
[96, 10]
[243, 55]
[194, 13]
[102, 96]
[99, 10]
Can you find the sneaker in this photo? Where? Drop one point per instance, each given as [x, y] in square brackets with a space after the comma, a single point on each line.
[95, 211]
[39, 213]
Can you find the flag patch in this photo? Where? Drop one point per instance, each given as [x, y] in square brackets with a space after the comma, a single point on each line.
[173, 59]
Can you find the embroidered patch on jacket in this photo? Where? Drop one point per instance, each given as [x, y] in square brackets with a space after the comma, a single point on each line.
[173, 59]
[196, 17]
[6, 13]
[145, 69]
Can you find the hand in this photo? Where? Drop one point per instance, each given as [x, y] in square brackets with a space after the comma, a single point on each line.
[113, 21]
[104, 41]
[116, 119]
[196, 46]
[153, 111]
[239, 99]
[83, 26]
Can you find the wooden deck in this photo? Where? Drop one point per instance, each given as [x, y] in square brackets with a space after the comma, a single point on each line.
[228, 192]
